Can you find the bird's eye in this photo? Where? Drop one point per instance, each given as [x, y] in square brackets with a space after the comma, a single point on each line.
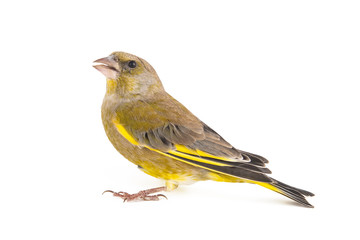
[132, 64]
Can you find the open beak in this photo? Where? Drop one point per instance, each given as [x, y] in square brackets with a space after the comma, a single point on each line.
[108, 66]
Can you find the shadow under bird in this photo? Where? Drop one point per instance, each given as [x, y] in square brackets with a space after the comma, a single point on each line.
[165, 140]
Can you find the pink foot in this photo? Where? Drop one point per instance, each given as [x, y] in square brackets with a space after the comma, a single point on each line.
[140, 196]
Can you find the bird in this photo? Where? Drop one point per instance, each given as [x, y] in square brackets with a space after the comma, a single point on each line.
[164, 139]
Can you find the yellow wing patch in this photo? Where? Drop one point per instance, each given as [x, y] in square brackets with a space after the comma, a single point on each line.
[124, 133]
[200, 156]
[181, 152]
[196, 158]
[182, 160]
[200, 153]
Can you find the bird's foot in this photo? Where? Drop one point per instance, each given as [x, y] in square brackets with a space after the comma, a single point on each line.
[140, 196]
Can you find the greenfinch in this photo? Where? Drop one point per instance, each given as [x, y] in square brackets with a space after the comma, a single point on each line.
[165, 140]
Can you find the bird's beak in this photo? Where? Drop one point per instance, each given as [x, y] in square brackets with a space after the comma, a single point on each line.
[109, 67]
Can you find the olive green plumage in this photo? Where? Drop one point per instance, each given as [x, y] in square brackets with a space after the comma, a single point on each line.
[157, 133]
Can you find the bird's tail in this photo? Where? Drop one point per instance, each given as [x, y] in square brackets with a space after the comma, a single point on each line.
[293, 193]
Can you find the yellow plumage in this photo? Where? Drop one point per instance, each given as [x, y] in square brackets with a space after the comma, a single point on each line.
[165, 140]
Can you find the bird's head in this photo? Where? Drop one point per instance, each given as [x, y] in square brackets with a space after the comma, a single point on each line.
[127, 75]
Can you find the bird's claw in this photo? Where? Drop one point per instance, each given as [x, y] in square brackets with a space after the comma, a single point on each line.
[107, 191]
[140, 196]
[154, 197]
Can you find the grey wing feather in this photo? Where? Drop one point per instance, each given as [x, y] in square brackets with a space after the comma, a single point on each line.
[250, 166]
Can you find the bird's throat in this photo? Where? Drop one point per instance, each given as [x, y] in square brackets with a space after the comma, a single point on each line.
[122, 86]
[111, 86]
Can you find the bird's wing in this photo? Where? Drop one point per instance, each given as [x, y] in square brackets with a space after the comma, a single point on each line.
[167, 127]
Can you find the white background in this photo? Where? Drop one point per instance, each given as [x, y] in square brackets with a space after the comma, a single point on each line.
[277, 78]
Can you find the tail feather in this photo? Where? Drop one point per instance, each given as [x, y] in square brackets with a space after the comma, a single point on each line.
[293, 193]
[303, 192]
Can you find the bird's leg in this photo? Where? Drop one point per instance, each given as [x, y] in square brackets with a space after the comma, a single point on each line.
[140, 196]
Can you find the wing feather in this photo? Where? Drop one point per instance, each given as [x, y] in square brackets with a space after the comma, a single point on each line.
[189, 140]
